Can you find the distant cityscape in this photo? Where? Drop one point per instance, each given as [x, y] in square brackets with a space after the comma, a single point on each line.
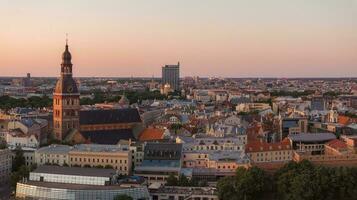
[174, 138]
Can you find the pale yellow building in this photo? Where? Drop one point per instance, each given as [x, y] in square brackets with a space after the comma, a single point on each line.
[93, 155]
[262, 152]
[118, 157]
[53, 154]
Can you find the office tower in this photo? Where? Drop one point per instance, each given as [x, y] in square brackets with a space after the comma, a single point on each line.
[171, 76]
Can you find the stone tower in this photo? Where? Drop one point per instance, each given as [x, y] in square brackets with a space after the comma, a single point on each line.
[65, 99]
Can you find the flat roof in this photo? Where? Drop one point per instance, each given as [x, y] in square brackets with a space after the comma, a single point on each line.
[75, 171]
[72, 186]
[100, 148]
[55, 148]
[312, 137]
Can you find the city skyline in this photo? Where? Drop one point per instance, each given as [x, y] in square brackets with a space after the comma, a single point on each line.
[235, 39]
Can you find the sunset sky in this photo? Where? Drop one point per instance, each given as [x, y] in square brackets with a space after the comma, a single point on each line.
[229, 38]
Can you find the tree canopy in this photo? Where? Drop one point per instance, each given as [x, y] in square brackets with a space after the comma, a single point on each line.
[123, 197]
[247, 184]
[7, 102]
[306, 181]
[133, 97]
[294, 181]
[183, 181]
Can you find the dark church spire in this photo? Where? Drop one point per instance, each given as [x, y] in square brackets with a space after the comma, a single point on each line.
[66, 65]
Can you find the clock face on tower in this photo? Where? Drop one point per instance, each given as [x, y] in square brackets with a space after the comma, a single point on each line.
[70, 89]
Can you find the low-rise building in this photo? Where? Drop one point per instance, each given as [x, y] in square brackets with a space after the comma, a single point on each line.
[54, 182]
[160, 161]
[213, 143]
[292, 126]
[336, 153]
[118, 157]
[222, 161]
[249, 107]
[53, 154]
[312, 143]
[16, 138]
[262, 152]
[94, 155]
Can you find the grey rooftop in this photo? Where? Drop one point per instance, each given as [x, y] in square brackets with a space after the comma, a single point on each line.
[312, 137]
[74, 171]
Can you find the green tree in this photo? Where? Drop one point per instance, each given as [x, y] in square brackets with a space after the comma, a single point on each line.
[183, 181]
[171, 180]
[247, 184]
[123, 197]
[19, 159]
[108, 167]
[303, 180]
[3, 144]
[226, 189]
[16, 176]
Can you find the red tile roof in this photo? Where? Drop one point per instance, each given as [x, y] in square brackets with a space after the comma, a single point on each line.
[151, 134]
[337, 144]
[344, 120]
[258, 146]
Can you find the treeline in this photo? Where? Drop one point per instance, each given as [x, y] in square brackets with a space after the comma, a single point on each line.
[294, 181]
[133, 97]
[7, 102]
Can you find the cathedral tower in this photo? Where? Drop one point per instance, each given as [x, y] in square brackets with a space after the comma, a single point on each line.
[65, 99]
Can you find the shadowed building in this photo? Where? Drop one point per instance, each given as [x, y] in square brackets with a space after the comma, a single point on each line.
[160, 161]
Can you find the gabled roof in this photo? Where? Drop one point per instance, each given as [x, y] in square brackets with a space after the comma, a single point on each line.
[112, 116]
